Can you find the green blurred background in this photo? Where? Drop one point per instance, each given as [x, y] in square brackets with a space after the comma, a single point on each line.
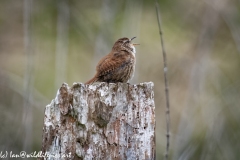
[45, 43]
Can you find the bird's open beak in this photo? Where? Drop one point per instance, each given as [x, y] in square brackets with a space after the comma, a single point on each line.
[134, 43]
[133, 38]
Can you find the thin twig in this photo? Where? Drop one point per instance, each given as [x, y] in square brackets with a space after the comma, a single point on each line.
[166, 82]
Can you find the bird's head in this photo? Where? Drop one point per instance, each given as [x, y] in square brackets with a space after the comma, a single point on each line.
[125, 44]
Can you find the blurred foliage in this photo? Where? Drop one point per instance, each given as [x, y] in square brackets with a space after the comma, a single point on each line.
[203, 49]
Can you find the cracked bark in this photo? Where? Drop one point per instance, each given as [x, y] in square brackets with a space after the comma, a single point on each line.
[101, 121]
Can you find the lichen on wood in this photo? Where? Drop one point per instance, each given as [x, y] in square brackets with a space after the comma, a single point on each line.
[101, 121]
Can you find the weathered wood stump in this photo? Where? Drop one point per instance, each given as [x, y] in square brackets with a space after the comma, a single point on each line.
[102, 121]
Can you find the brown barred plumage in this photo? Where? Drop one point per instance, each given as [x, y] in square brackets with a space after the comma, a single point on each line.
[118, 65]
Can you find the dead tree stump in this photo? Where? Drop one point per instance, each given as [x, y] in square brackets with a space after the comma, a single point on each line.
[101, 122]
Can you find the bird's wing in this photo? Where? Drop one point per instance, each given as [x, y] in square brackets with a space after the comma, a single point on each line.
[110, 63]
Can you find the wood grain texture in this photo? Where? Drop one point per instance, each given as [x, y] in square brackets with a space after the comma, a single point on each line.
[101, 121]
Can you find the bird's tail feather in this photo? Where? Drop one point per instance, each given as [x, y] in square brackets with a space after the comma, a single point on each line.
[91, 81]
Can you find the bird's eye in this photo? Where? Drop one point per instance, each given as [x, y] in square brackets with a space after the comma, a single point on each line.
[126, 41]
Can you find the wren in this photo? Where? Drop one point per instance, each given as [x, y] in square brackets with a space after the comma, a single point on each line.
[118, 65]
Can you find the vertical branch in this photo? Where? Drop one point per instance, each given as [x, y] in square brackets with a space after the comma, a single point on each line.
[27, 109]
[166, 82]
[62, 42]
